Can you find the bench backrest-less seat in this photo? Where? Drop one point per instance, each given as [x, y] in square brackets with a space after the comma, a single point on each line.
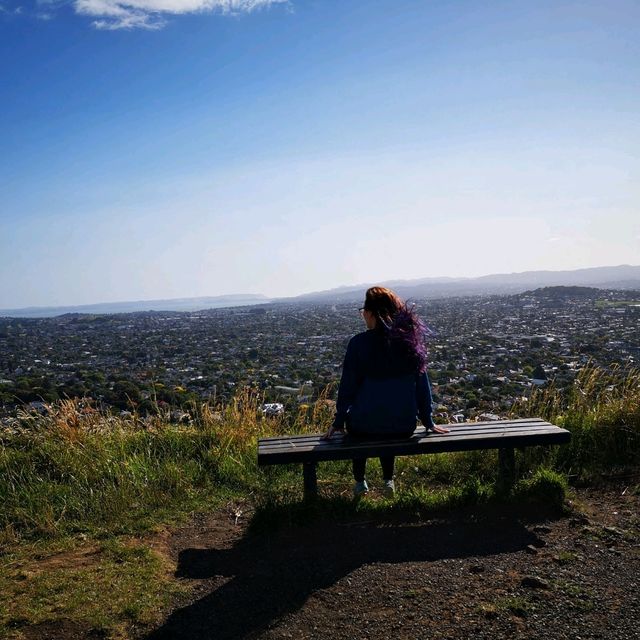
[504, 435]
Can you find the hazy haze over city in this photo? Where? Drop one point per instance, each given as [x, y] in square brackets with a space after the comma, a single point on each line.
[199, 148]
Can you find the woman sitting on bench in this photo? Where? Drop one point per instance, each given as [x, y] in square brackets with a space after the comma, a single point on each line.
[384, 384]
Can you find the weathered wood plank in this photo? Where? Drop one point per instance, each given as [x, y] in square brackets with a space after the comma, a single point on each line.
[267, 444]
[339, 441]
[342, 441]
[455, 426]
[317, 450]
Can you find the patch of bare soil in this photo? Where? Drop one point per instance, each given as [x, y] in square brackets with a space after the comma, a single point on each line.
[75, 559]
[61, 629]
[477, 573]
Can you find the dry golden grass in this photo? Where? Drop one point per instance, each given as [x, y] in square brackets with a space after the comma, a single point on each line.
[602, 411]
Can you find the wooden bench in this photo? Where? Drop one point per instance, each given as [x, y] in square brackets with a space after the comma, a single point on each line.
[504, 435]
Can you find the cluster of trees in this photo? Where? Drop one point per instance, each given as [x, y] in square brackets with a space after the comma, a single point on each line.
[121, 393]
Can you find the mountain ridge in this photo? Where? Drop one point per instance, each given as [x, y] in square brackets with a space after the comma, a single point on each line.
[609, 277]
[615, 277]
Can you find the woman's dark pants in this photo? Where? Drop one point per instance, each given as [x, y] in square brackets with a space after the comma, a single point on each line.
[387, 462]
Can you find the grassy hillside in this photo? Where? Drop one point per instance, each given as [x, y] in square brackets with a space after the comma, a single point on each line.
[77, 470]
[79, 484]
[602, 411]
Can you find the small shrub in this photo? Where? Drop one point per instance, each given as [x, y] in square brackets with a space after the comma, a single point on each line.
[518, 606]
[566, 557]
[545, 486]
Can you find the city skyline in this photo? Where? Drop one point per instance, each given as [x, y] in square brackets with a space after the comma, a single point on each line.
[157, 150]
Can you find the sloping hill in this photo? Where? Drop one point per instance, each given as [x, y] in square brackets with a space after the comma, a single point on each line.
[620, 277]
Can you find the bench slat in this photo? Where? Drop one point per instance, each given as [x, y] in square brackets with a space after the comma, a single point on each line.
[455, 430]
[315, 440]
[452, 426]
[344, 442]
[463, 437]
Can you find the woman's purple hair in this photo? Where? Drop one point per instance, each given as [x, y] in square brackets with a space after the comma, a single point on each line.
[408, 330]
[400, 323]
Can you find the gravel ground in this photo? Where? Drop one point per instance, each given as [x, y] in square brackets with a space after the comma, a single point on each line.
[482, 573]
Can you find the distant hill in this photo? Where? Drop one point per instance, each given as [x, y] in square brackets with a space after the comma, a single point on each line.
[621, 277]
[176, 304]
[561, 293]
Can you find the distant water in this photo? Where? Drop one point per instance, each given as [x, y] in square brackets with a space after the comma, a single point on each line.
[178, 304]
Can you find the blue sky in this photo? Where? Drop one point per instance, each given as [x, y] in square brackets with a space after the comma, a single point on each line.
[173, 148]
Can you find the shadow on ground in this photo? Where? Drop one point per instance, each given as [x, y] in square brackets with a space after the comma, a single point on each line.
[272, 573]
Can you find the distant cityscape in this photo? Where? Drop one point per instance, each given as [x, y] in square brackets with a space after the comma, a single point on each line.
[486, 352]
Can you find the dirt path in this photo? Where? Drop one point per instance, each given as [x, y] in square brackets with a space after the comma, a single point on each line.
[476, 573]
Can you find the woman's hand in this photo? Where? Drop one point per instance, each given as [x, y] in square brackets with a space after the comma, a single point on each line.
[437, 429]
[330, 432]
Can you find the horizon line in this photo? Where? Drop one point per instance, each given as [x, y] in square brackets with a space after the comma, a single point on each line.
[268, 299]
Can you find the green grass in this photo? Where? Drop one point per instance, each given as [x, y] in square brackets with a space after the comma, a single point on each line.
[417, 501]
[109, 586]
[77, 480]
[515, 605]
[76, 470]
[602, 411]
[581, 598]
[566, 557]
[544, 486]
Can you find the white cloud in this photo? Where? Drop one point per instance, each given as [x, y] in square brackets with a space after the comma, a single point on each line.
[11, 11]
[151, 14]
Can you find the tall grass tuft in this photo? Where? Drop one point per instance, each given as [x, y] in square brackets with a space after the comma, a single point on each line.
[602, 411]
[80, 469]
[77, 468]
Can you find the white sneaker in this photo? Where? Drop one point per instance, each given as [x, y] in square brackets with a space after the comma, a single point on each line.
[389, 489]
[360, 489]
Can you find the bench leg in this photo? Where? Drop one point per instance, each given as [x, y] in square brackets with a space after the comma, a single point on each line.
[507, 466]
[310, 478]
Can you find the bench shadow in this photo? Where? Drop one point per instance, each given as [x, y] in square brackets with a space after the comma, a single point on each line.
[273, 573]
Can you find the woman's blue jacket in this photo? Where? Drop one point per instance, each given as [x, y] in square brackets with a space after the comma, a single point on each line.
[381, 391]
